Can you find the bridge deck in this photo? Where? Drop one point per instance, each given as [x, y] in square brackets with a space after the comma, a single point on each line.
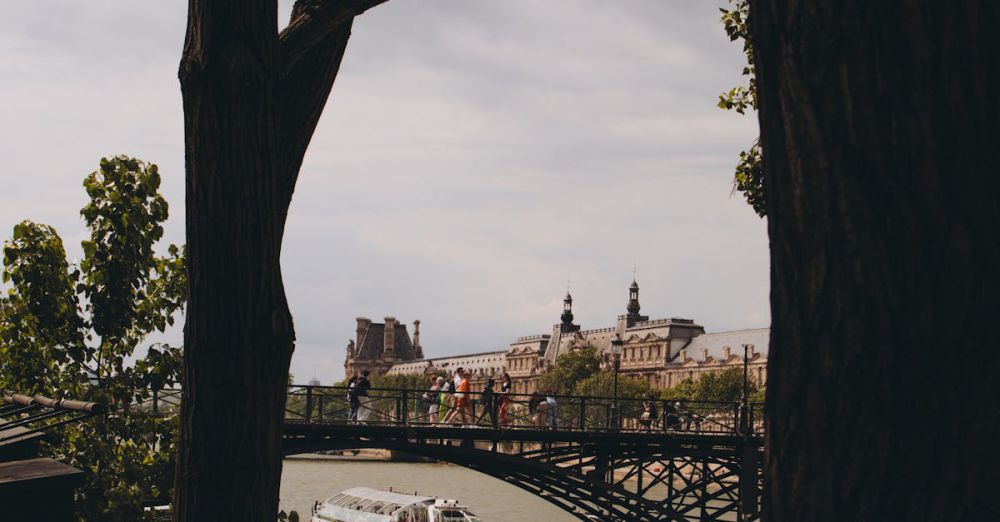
[302, 429]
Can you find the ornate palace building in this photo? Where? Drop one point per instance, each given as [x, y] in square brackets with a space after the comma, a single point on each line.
[378, 346]
[661, 351]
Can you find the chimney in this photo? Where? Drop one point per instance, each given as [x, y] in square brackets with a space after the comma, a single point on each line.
[363, 324]
[684, 356]
[416, 339]
[389, 339]
[704, 354]
[726, 353]
[750, 352]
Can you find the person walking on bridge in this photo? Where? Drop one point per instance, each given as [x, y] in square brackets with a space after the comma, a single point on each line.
[431, 399]
[488, 399]
[361, 390]
[505, 386]
[462, 400]
[649, 413]
[352, 397]
[538, 408]
[444, 398]
[551, 408]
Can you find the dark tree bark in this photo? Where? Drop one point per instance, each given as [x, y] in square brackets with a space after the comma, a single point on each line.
[880, 130]
[252, 98]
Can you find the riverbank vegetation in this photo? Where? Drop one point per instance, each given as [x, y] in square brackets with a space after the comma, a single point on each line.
[718, 386]
[76, 329]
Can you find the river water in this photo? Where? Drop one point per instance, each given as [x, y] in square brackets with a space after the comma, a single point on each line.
[304, 481]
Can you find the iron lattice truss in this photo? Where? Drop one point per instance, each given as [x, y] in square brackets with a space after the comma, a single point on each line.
[628, 479]
[594, 457]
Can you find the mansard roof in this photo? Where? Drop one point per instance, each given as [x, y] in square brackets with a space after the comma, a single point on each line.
[652, 324]
[372, 344]
[715, 343]
[475, 363]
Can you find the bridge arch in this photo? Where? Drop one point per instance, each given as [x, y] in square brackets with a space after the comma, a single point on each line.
[577, 494]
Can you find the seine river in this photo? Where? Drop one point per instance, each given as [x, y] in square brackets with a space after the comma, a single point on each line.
[304, 481]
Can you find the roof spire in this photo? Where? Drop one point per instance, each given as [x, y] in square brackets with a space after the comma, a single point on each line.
[633, 302]
[567, 314]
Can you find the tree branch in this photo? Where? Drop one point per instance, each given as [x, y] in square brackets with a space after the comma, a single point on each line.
[311, 49]
[318, 16]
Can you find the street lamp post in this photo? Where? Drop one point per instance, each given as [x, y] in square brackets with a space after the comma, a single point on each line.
[616, 361]
[745, 398]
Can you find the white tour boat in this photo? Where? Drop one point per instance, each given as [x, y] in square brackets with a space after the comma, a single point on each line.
[375, 505]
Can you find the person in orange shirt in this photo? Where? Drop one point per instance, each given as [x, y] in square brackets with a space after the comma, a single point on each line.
[463, 406]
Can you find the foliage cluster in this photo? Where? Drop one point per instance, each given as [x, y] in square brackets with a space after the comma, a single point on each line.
[571, 369]
[578, 372]
[403, 382]
[749, 176]
[72, 330]
[719, 386]
[602, 385]
[399, 382]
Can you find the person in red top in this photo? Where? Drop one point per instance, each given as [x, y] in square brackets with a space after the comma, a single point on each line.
[505, 386]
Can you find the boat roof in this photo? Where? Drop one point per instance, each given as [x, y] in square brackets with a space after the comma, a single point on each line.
[361, 495]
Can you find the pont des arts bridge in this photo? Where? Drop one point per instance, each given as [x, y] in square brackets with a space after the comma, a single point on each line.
[598, 458]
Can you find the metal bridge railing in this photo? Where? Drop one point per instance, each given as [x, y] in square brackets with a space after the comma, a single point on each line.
[400, 407]
[21, 415]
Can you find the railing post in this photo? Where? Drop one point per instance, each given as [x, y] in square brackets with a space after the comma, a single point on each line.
[583, 413]
[495, 415]
[156, 401]
[309, 403]
[401, 407]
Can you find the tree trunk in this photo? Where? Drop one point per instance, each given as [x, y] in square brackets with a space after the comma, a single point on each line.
[879, 129]
[252, 99]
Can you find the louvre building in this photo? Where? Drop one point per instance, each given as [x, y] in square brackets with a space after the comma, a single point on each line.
[661, 351]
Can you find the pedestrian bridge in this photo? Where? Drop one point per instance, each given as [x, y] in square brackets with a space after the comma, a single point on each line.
[599, 458]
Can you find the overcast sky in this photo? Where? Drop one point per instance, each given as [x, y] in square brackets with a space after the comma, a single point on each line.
[475, 156]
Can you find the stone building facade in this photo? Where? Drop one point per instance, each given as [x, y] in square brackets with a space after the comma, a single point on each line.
[661, 351]
[378, 346]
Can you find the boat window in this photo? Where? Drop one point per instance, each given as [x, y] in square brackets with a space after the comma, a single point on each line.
[389, 508]
[451, 515]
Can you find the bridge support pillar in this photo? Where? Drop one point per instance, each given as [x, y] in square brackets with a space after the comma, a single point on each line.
[749, 461]
[601, 473]
[703, 495]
